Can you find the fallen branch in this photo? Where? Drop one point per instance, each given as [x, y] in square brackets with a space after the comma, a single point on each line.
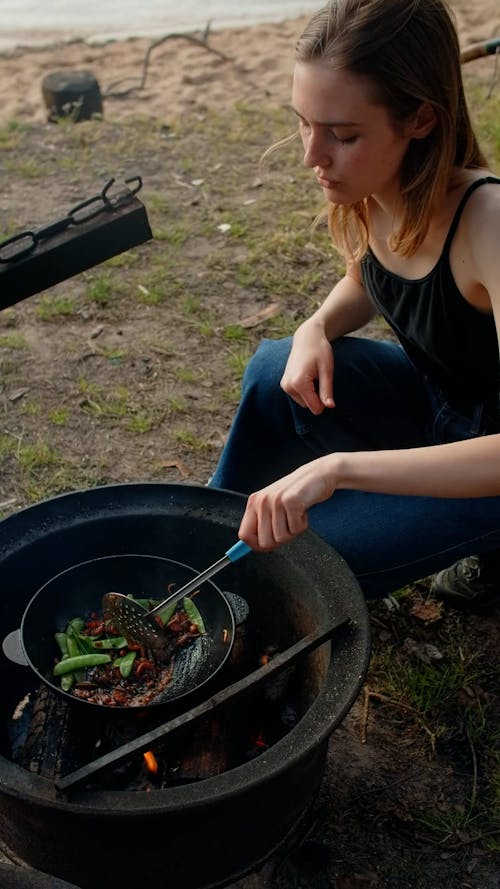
[198, 41]
[383, 699]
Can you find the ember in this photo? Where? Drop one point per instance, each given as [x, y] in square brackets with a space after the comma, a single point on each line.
[151, 762]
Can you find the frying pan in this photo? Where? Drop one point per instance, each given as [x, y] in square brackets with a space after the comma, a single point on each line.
[78, 591]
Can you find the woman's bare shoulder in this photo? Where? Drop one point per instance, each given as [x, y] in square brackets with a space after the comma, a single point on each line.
[480, 228]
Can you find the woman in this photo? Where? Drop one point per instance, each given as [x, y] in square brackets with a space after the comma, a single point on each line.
[390, 451]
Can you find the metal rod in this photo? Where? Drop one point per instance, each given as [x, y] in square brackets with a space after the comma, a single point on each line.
[144, 742]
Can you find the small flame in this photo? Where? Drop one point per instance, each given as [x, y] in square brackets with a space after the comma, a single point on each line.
[225, 635]
[151, 762]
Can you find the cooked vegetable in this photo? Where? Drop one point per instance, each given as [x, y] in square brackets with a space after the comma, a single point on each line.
[111, 642]
[194, 615]
[125, 663]
[75, 626]
[62, 641]
[167, 613]
[100, 665]
[70, 664]
[73, 647]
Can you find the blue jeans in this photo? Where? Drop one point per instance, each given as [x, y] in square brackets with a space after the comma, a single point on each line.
[382, 402]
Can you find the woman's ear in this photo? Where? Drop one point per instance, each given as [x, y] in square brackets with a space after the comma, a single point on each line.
[422, 122]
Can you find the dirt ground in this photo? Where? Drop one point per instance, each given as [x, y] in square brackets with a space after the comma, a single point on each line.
[129, 371]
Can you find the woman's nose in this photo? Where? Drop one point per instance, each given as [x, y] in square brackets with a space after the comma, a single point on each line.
[315, 153]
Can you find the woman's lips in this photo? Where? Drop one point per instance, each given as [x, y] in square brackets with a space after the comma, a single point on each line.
[326, 183]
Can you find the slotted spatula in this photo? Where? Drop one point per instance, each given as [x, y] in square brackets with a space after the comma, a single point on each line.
[138, 624]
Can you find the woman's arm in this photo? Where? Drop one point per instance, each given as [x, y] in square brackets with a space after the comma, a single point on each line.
[308, 376]
[346, 308]
[278, 512]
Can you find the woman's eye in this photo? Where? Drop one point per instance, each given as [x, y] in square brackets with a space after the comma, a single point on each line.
[343, 140]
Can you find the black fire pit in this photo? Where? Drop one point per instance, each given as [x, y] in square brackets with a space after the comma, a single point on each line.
[206, 832]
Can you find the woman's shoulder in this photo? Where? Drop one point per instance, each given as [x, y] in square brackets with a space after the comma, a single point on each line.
[484, 190]
[478, 233]
[476, 196]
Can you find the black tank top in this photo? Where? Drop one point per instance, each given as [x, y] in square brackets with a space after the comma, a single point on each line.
[449, 341]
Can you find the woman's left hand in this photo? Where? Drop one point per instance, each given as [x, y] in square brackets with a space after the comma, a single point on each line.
[278, 513]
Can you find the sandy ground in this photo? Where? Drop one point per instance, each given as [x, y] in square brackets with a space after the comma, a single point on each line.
[164, 77]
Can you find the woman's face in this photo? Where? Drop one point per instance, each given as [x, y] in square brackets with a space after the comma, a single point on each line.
[350, 141]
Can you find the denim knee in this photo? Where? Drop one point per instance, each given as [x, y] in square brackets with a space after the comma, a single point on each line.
[266, 367]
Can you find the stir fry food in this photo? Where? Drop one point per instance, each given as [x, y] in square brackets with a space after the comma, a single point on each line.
[98, 664]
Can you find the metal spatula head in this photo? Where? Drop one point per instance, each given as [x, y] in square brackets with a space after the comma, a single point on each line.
[135, 623]
[132, 619]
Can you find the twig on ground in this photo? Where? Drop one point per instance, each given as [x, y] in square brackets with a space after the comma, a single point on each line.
[364, 714]
[383, 699]
[198, 41]
[473, 795]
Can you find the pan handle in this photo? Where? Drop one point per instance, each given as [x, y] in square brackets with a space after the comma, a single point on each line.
[13, 649]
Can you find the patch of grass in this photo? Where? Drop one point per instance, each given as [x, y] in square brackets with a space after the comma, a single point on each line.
[100, 402]
[33, 457]
[425, 687]
[157, 203]
[140, 424]
[485, 112]
[7, 447]
[52, 308]
[235, 333]
[13, 341]
[186, 374]
[205, 329]
[24, 168]
[237, 362]
[115, 356]
[59, 416]
[149, 296]
[32, 408]
[190, 440]
[10, 134]
[124, 260]
[100, 289]
[177, 404]
[176, 235]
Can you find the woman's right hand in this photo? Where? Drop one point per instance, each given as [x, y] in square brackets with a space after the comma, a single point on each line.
[278, 513]
[308, 376]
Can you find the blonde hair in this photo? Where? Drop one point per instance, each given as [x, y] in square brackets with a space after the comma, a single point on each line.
[410, 51]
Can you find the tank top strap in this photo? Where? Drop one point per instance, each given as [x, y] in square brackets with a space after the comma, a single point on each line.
[458, 212]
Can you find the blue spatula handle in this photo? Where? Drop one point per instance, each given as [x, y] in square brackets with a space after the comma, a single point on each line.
[239, 550]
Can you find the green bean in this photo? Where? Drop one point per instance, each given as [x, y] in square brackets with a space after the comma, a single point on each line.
[125, 663]
[67, 681]
[73, 647]
[167, 613]
[111, 642]
[70, 664]
[75, 625]
[62, 641]
[193, 614]
[85, 643]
